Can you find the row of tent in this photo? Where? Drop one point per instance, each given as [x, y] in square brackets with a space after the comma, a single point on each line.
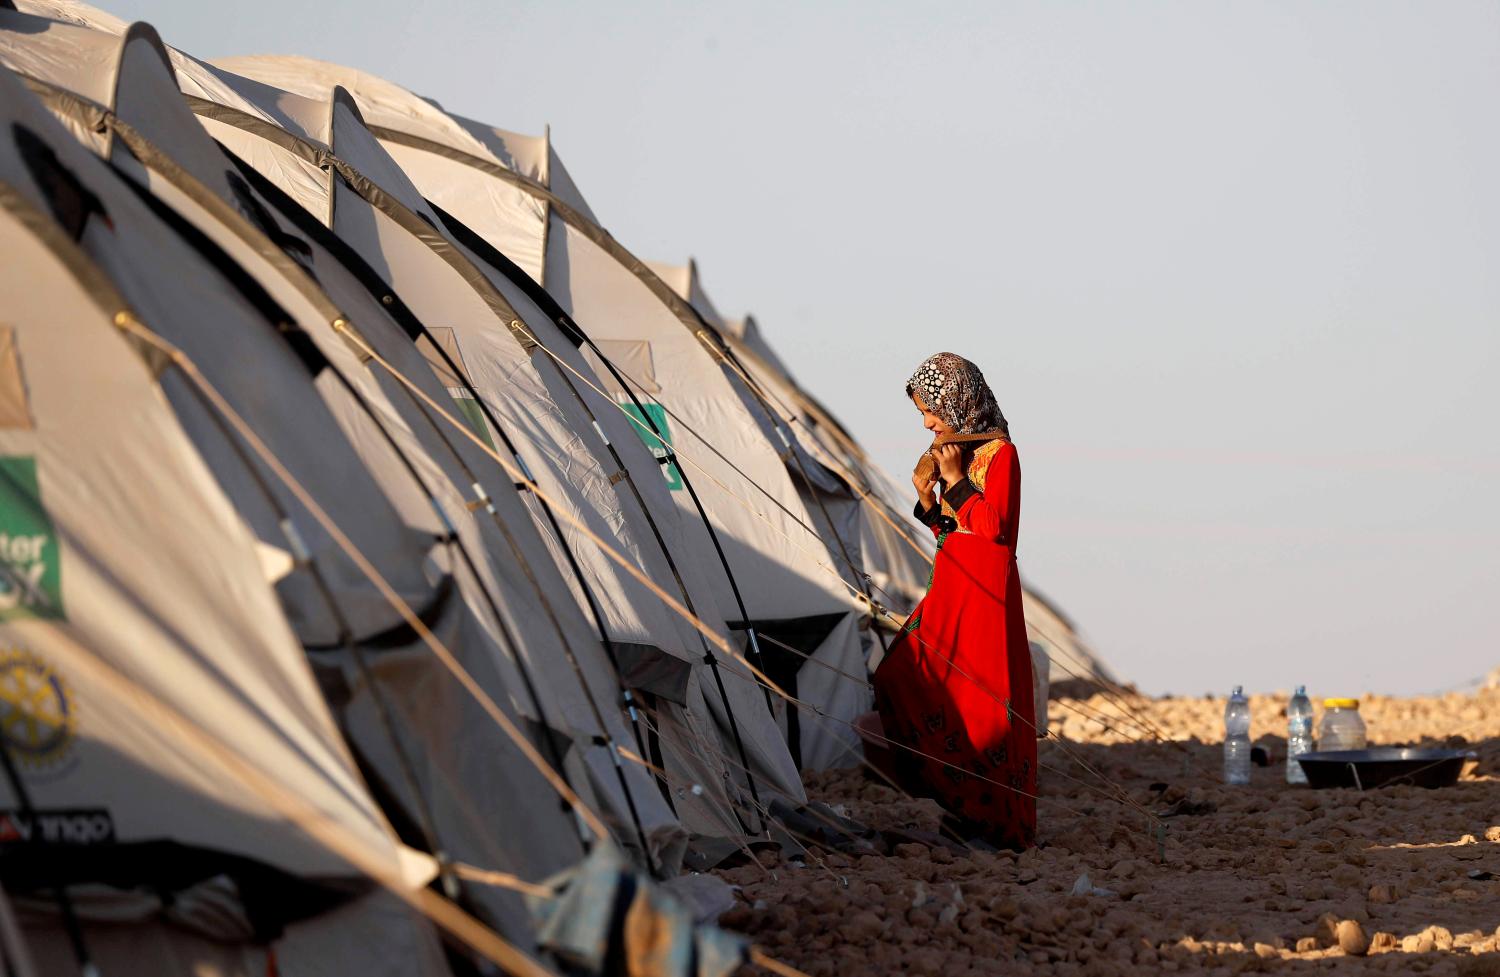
[382, 542]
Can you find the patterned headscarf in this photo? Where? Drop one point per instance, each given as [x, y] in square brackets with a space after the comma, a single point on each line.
[954, 390]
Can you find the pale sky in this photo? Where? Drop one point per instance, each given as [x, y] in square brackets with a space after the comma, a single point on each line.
[1233, 270]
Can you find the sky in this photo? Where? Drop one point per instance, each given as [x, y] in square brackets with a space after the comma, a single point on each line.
[1231, 269]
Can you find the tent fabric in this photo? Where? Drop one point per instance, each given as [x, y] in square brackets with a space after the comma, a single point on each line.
[718, 824]
[747, 333]
[417, 273]
[428, 170]
[294, 415]
[388, 106]
[817, 435]
[217, 647]
[504, 391]
[647, 804]
[374, 934]
[766, 757]
[104, 483]
[699, 389]
[823, 483]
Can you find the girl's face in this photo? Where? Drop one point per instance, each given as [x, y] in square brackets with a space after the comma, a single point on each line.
[930, 420]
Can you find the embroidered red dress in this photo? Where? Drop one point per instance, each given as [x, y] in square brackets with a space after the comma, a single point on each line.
[956, 684]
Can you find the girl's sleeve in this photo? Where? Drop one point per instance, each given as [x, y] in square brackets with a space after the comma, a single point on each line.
[932, 517]
[991, 513]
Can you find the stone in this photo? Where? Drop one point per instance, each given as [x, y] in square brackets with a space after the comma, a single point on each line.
[1418, 943]
[864, 927]
[1383, 941]
[1352, 939]
[1307, 944]
[1382, 894]
[925, 961]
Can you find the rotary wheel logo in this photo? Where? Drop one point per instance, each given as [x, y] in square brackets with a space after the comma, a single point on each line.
[37, 718]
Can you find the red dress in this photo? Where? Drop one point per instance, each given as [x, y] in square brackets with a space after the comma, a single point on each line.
[956, 684]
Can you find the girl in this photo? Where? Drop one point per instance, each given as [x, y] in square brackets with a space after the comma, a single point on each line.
[954, 693]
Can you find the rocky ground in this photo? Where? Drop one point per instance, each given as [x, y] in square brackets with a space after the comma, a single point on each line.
[1267, 877]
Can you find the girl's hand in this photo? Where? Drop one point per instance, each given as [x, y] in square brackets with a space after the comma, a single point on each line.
[925, 494]
[950, 459]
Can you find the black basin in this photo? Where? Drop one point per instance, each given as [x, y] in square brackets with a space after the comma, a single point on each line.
[1365, 769]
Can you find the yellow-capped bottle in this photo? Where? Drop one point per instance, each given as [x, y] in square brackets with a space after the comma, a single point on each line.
[1342, 727]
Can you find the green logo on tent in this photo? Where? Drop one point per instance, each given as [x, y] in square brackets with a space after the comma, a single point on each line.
[30, 564]
[654, 438]
[473, 415]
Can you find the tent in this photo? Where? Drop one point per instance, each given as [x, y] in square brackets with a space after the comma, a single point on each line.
[647, 346]
[377, 671]
[146, 660]
[728, 691]
[578, 450]
[680, 743]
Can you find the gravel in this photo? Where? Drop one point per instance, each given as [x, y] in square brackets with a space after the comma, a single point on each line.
[1256, 879]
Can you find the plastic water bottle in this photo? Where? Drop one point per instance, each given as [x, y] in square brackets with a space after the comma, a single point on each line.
[1299, 734]
[1237, 738]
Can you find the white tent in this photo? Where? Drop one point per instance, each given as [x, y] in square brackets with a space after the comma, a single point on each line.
[749, 477]
[440, 278]
[681, 743]
[416, 728]
[134, 592]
